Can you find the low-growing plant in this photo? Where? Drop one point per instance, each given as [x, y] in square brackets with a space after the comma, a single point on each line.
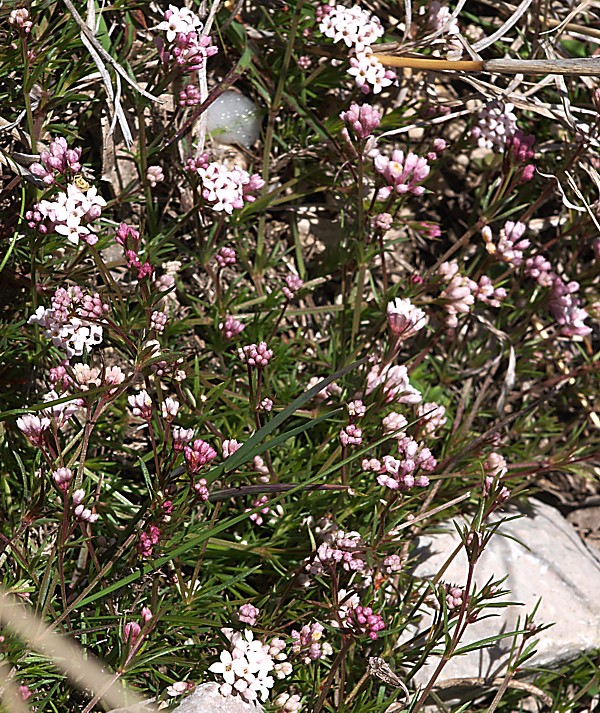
[239, 382]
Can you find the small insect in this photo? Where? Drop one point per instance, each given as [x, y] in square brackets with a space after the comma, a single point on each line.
[380, 669]
[80, 182]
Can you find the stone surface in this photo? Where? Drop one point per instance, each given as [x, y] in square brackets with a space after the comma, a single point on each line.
[551, 563]
[233, 118]
[207, 699]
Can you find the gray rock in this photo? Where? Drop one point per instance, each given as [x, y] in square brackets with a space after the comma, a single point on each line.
[551, 563]
[207, 699]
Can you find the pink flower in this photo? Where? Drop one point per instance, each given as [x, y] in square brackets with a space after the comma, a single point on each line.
[226, 256]
[403, 174]
[363, 120]
[181, 436]
[256, 517]
[33, 428]
[364, 621]
[257, 355]
[404, 318]
[231, 327]
[566, 310]
[20, 18]
[198, 455]
[351, 435]
[141, 404]
[248, 613]
[154, 175]
[63, 477]
[131, 632]
[190, 96]
[230, 446]
[292, 285]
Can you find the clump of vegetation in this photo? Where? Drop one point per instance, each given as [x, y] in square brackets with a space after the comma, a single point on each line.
[239, 381]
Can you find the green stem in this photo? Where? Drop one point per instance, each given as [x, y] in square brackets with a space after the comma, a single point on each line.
[268, 144]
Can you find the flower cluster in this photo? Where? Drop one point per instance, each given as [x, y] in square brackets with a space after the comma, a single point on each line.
[394, 424]
[432, 416]
[288, 703]
[57, 159]
[33, 427]
[454, 596]
[189, 96]
[362, 120]
[248, 614]
[71, 214]
[358, 29]
[68, 322]
[246, 669]
[394, 382]
[226, 256]
[231, 327]
[339, 547]
[403, 174]
[189, 48]
[308, 644]
[399, 473]
[82, 513]
[179, 20]
[520, 150]
[496, 124]
[459, 294]
[511, 244]
[404, 319]
[364, 621]
[351, 435]
[130, 241]
[225, 189]
[191, 51]
[258, 355]
[148, 540]
[257, 517]
[20, 18]
[566, 310]
[198, 455]
[292, 286]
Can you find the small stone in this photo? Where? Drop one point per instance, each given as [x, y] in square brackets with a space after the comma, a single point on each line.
[233, 118]
[207, 699]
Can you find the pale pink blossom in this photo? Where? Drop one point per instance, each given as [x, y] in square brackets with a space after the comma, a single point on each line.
[154, 175]
[404, 318]
[403, 174]
[179, 20]
[141, 404]
[257, 355]
[33, 427]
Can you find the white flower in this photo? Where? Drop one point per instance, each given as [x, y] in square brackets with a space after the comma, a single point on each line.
[404, 318]
[179, 21]
[224, 667]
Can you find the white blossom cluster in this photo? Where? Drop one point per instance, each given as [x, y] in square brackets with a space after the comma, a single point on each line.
[358, 29]
[497, 122]
[179, 21]
[67, 322]
[226, 189]
[395, 384]
[249, 666]
[70, 214]
[76, 336]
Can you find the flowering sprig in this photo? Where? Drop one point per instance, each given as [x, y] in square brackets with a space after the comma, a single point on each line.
[247, 667]
[223, 188]
[72, 322]
[71, 214]
[358, 30]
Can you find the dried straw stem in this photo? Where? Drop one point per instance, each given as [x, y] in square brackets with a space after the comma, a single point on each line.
[589, 66]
